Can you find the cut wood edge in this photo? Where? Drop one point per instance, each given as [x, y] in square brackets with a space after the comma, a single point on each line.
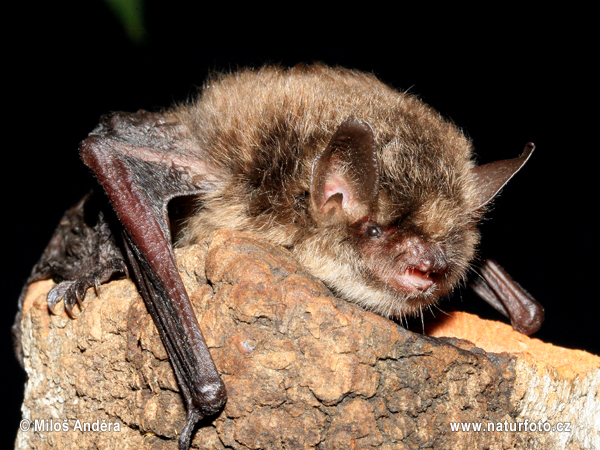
[498, 337]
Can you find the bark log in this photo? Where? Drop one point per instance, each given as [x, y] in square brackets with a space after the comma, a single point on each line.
[303, 369]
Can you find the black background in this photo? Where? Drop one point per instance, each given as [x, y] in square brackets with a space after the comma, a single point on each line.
[506, 76]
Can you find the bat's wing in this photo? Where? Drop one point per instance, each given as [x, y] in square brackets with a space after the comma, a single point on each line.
[498, 289]
[142, 161]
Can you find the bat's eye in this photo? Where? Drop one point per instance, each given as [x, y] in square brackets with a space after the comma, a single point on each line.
[373, 231]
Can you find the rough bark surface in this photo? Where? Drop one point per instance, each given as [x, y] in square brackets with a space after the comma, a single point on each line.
[303, 370]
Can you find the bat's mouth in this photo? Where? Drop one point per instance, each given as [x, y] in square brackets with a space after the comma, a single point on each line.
[419, 270]
[414, 280]
[418, 279]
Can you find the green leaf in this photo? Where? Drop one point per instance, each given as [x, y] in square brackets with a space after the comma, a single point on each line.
[131, 15]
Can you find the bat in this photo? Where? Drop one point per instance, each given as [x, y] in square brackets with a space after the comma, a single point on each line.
[372, 190]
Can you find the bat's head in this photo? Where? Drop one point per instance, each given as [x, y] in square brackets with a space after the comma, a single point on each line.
[397, 217]
[374, 192]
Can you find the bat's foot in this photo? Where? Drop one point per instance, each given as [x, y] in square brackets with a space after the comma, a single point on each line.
[73, 291]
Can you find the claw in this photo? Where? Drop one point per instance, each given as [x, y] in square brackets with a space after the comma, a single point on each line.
[80, 288]
[72, 299]
[56, 294]
[123, 268]
[73, 291]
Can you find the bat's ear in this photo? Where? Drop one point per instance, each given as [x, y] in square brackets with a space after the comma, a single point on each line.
[490, 178]
[345, 176]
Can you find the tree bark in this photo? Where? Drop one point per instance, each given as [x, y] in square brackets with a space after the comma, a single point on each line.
[303, 370]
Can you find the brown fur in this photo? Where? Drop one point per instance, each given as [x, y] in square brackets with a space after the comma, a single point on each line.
[259, 132]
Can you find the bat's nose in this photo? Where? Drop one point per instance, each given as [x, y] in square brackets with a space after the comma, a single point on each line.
[420, 255]
[431, 265]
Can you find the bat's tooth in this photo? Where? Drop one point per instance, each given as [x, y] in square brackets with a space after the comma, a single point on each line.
[417, 278]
